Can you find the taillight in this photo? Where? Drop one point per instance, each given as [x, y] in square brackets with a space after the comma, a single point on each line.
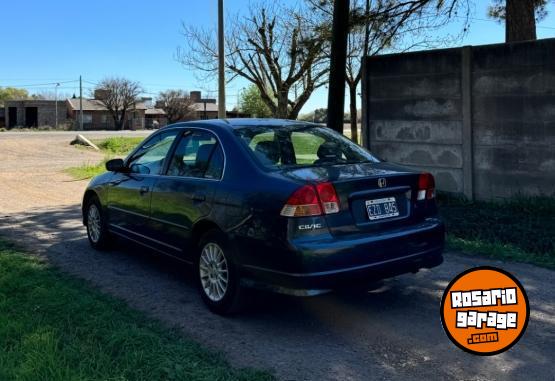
[426, 187]
[312, 201]
[303, 203]
[328, 198]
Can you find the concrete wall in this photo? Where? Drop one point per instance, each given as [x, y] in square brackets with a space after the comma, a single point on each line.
[481, 119]
[46, 112]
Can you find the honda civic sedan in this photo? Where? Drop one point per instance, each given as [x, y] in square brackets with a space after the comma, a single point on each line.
[285, 206]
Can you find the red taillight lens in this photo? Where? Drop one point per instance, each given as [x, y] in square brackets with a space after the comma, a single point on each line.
[304, 202]
[312, 201]
[426, 187]
[328, 197]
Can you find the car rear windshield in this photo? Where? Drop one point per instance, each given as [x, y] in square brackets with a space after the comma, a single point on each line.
[301, 146]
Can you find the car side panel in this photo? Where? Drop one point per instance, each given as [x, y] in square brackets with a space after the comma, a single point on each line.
[128, 203]
[177, 205]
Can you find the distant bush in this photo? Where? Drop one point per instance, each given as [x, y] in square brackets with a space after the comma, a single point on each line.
[66, 126]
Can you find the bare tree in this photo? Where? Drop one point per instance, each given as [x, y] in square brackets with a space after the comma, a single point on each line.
[118, 95]
[51, 95]
[379, 26]
[177, 104]
[276, 48]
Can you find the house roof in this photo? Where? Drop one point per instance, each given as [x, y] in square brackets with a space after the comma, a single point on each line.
[154, 111]
[210, 107]
[96, 105]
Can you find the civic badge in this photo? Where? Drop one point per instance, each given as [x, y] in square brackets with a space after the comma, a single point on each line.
[382, 183]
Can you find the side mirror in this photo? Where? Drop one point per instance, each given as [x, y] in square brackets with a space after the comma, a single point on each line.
[115, 165]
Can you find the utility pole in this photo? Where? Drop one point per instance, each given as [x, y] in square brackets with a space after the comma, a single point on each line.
[56, 103]
[221, 61]
[80, 103]
[336, 96]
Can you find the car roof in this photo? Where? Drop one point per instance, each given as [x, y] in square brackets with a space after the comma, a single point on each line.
[237, 123]
[244, 122]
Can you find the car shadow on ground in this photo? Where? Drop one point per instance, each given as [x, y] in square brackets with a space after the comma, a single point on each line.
[392, 332]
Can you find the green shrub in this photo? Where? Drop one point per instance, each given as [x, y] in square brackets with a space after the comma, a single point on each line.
[526, 224]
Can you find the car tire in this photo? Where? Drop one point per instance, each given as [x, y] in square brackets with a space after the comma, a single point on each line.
[217, 276]
[97, 229]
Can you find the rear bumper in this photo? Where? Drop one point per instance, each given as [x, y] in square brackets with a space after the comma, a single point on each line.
[351, 261]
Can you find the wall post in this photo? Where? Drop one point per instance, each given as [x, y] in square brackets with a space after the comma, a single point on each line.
[365, 105]
[467, 134]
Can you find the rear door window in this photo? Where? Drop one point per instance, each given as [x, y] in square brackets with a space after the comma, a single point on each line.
[301, 146]
[197, 155]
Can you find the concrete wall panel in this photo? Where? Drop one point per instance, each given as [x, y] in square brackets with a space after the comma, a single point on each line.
[433, 132]
[521, 108]
[511, 82]
[499, 136]
[426, 62]
[416, 86]
[430, 155]
[416, 109]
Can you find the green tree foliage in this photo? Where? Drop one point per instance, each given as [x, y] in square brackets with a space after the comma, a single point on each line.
[250, 102]
[7, 93]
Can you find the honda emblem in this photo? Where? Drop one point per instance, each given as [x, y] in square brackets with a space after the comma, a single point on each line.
[382, 183]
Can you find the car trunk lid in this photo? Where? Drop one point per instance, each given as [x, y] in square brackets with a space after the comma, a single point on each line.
[373, 196]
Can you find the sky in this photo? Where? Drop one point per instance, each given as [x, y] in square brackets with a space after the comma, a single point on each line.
[58, 40]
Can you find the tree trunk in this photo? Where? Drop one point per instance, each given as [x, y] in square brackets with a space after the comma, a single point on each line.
[282, 105]
[293, 115]
[354, 112]
[338, 65]
[520, 20]
[117, 125]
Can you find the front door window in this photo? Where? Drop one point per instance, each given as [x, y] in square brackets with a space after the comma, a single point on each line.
[149, 160]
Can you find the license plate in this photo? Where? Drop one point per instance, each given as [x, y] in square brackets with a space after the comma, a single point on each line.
[382, 208]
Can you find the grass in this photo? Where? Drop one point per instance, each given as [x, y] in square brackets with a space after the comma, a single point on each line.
[87, 171]
[521, 229]
[111, 147]
[54, 327]
[118, 146]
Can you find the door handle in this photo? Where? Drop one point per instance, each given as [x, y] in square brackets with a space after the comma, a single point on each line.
[199, 197]
[144, 190]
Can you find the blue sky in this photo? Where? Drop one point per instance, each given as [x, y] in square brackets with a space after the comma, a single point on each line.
[60, 40]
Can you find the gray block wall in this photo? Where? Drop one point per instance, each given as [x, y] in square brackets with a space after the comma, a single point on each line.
[481, 119]
[46, 111]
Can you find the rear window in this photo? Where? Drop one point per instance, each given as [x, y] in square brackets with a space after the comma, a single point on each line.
[301, 146]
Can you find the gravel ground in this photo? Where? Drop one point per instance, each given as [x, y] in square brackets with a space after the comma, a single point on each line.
[391, 333]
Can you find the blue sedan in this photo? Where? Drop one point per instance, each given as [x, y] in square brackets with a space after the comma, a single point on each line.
[286, 206]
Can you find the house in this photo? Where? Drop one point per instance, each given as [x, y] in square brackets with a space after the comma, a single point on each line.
[97, 117]
[2, 117]
[34, 113]
[155, 118]
[204, 108]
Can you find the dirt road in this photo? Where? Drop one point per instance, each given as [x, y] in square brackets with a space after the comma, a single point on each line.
[392, 333]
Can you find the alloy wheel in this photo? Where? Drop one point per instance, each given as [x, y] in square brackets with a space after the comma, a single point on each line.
[94, 223]
[214, 272]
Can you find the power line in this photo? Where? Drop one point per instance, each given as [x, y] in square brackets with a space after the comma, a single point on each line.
[41, 84]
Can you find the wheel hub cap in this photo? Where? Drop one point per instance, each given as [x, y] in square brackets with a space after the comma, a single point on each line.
[214, 275]
[93, 223]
